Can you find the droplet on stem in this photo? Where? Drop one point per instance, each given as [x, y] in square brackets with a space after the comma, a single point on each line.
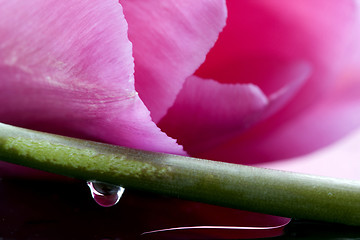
[104, 194]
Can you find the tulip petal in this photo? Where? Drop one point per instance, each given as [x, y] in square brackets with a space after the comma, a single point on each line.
[321, 124]
[270, 35]
[67, 67]
[338, 160]
[334, 118]
[170, 40]
[207, 113]
[262, 37]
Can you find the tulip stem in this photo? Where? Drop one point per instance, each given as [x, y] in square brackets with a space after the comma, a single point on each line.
[231, 185]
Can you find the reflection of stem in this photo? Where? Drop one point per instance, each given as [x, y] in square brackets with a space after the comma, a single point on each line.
[231, 185]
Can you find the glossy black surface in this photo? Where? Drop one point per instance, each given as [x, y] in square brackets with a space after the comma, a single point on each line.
[38, 209]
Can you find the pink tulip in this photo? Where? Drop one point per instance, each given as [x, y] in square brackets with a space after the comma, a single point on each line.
[281, 81]
[286, 77]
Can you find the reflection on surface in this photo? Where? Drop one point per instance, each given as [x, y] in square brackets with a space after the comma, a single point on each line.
[54, 209]
[39, 209]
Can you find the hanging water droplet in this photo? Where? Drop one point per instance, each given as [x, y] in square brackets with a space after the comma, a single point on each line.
[104, 194]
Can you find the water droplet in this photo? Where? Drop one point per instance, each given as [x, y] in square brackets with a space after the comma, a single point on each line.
[104, 194]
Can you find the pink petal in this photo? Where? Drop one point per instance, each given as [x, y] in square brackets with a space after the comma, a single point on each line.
[67, 67]
[338, 160]
[322, 123]
[170, 40]
[263, 36]
[330, 120]
[260, 40]
[207, 113]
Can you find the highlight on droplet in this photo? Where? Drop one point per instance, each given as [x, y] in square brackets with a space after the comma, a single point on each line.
[106, 195]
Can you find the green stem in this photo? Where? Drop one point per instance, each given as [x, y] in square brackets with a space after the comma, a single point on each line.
[230, 185]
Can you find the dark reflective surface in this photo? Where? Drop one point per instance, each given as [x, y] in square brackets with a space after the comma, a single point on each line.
[64, 209]
[302, 229]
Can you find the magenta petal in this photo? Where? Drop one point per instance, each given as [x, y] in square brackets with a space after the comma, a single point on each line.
[326, 121]
[334, 117]
[263, 36]
[170, 41]
[67, 67]
[207, 113]
[338, 160]
[260, 40]
[296, 74]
